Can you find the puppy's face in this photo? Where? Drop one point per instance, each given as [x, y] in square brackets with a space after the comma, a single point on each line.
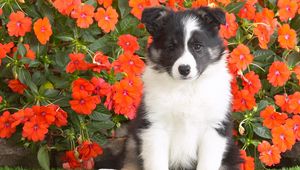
[185, 42]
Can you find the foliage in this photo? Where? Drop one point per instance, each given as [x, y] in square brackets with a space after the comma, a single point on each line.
[70, 73]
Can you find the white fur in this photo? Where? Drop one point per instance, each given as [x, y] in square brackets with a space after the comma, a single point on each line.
[183, 115]
[187, 58]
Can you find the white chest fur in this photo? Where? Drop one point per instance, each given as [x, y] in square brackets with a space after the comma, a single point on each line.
[185, 109]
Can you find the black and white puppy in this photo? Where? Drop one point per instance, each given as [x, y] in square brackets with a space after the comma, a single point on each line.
[183, 121]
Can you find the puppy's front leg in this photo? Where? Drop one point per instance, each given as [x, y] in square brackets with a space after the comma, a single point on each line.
[211, 150]
[155, 149]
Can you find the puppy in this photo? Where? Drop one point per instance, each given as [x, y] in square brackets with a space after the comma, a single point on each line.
[183, 120]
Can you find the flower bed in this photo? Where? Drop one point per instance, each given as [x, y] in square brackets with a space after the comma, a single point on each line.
[70, 74]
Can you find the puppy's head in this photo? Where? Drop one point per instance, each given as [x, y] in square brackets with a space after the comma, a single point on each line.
[184, 42]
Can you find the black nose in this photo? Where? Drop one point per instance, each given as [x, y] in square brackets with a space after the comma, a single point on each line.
[184, 70]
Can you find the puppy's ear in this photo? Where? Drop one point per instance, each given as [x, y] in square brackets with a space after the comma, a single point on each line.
[153, 18]
[212, 16]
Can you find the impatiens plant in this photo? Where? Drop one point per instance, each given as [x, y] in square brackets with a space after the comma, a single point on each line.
[70, 74]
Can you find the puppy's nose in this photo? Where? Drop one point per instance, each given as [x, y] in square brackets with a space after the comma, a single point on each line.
[184, 69]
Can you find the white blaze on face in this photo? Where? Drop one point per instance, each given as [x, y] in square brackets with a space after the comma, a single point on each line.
[190, 24]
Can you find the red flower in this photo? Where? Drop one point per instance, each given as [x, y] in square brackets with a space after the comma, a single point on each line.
[83, 104]
[65, 7]
[243, 101]
[229, 29]
[271, 118]
[101, 62]
[248, 11]
[107, 19]
[16, 86]
[60, 116]
[287, 37]
[240, 57]
[137, 7]
[295, 125]
[29, 53]
[263, 36]
[44, 114]
[128, 43]
[22, 116]
[294, 102]
[269, 155]
[35, 130]
[279, 73]
[249, 161]
[1, 99]
[18, 25]
[84, 15]
[129, 63]
[251, 82]
[6, 128]
[82, 86]
[70, 161]
[5, 49]
[89, 150]
[283, 138]
[287, 9]
[77, 63]
[101, 87]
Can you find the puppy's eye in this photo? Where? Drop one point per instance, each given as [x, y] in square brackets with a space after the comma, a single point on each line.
[197, 47]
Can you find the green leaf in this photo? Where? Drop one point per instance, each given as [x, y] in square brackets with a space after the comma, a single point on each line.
[25, 78]
[51, 93]
[293, 58]
[98, 116]
[65, 37]
[21, 49]
[95, 126]
[43, 158]
[123, 7]
[234, 7]
[262, 131]
[100, 139]
[261, 105]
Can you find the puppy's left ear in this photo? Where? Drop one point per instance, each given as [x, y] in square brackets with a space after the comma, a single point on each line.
[212, 16]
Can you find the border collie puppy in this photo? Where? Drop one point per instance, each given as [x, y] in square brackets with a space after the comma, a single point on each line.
[183, 120]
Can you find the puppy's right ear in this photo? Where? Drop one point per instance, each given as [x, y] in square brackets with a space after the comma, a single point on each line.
[153, 18]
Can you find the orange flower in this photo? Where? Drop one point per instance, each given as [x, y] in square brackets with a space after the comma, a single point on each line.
[243, 101]
[249, 161]
[101, 62]
[283, 137]
[283, 102]
[271, 118]
[263, 36]
[287, 37]
[84, 15]
[29, 53]
[83, 104]
[129, 63]
[107, 19]
[77, 63]
[240, 57]
[105, 3]
[35, 130]
[16, 86]
[251, 82]
[65, 7]
[22, 116]
[287, 9]
[6, 128]
[1, 11]
[88, 150]
[295, 125]
[199, 3]
[224, 2]
[18, 25]
[42, 30]
[269, 155]
[128, 43]
[137, 7]
[297, 72]
[101, 87]
[279, 73]
[70, 161]
[294, 102]
[60, 116]
[229, 29]
[83, 86]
